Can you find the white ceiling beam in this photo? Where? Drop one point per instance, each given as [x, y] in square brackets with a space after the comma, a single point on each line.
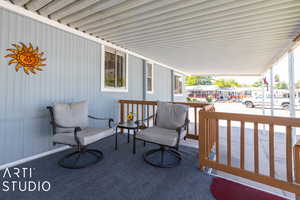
[102, 5]
[54, 6]
[34, 5]
[256, 50]
[20, 2]
[269, 22]
[263, 30]
[200, 16]
[218, 47]
[229, 21]
[149, 10]
[127, 6]
[72, 8]
[219, 41]
[162, 15]
[212, 45]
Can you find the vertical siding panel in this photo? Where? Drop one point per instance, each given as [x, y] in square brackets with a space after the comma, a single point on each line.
[72, 73]
[2, 86]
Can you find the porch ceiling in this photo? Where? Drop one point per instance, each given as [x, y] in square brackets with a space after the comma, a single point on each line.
[195, 36]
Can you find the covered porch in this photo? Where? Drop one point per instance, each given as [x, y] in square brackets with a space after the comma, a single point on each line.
[122, 57]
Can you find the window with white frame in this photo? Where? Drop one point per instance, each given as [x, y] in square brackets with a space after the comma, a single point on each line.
[178, 84]
[149, 78]
[115, 69]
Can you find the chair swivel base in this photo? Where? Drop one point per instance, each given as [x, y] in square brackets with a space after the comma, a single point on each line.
[159, 160]
[76, 160]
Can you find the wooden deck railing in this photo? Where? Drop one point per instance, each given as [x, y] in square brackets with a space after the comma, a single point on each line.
[144, 109]
[209, 140]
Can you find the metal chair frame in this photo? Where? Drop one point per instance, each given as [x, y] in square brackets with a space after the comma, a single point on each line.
[80, 149]
[172, 150]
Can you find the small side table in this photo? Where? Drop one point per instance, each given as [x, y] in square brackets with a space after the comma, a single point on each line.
[125, 125]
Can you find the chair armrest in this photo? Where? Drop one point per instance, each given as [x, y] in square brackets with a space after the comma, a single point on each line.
[76, 129]
[178, 130]
[110, 120]
[60, 126]
[186, 123]
[142, 120]
[140, 123]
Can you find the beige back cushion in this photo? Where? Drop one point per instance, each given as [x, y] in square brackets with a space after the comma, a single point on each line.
[171, 116]
[71, 115]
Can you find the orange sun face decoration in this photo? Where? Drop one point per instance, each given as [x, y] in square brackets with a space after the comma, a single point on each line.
[27, 58]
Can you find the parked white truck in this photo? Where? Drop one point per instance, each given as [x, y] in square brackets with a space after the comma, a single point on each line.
[258, 101]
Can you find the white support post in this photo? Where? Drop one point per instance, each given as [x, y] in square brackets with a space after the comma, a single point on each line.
[291, 83]
[264, 99]
[264, 104]
[292, 91]
[272, 90]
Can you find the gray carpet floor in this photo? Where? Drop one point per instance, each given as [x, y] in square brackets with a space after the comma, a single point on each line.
[120, 175]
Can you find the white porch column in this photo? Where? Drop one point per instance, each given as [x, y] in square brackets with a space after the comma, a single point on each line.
[292, 91]
[291, 83]
[272, 90]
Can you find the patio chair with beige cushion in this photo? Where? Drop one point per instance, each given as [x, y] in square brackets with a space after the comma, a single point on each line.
[70, 126]
[171, 121]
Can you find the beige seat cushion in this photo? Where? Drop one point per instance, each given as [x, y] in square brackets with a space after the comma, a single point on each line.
[71, 115]
[86, 136]
[160, 136]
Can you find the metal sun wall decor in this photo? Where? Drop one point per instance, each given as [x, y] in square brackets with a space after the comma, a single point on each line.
[28, 58]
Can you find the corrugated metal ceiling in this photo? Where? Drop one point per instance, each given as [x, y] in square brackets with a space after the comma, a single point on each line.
[195, 36]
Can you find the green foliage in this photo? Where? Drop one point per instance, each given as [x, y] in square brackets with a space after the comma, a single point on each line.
[277, 78]
[227, 83]
[199, 80]
[191, 100]
[209, 99]
[281, 85]
[298, 84]
[258, 84]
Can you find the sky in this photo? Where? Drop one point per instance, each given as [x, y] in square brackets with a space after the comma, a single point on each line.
[280, 68]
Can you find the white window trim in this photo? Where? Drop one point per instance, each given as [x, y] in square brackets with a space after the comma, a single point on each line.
[180, 94]
[152, 82]
[112, 89]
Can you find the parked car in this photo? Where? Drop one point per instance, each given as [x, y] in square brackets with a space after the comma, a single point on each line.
[258, 101]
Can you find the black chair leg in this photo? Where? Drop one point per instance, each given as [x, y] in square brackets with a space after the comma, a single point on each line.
[70, 161]
[160, 153]
[116, 139]
[162, 156]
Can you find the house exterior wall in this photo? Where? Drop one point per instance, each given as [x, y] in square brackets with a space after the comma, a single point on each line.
[73, 73]
[162, 85]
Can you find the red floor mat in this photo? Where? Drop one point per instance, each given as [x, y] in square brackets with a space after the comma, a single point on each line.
[227, 190]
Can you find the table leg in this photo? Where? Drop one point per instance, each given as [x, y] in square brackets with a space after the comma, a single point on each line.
[116, 139]
[128, 136]
[134, 141]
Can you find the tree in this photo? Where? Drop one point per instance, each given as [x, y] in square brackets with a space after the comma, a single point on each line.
[258, 84]
[281, 85]
[190, 80]
[277, 78]
[227, 83]
[199, 80]
[298, 84]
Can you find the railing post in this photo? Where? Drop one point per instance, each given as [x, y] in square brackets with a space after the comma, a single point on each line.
[122, 115]
[202, 139]
[297, 162]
